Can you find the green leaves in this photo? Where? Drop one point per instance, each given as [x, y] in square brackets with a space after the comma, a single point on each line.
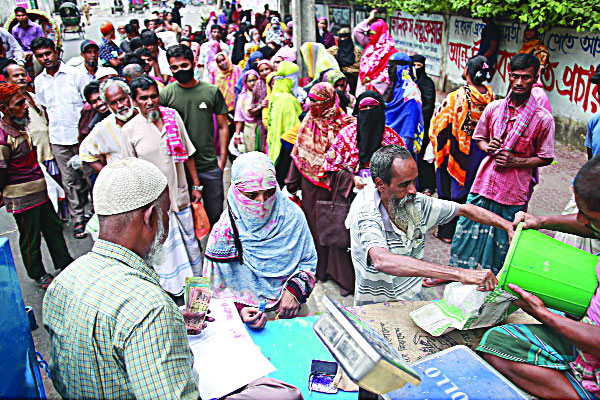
[580, 14]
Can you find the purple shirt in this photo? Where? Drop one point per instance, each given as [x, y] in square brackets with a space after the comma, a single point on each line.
[510, 185]
[26, 35]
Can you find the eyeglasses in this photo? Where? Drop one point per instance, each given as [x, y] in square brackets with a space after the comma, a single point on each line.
[251, 80]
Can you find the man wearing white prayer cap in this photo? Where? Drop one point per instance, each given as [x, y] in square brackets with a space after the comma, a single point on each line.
[114, 332]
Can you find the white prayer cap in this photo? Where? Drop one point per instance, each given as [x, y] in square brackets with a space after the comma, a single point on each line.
[126, 185]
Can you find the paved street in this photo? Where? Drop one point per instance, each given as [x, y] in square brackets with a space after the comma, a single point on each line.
[550, 197]
[191, 15]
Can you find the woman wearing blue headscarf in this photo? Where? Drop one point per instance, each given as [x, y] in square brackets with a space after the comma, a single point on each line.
[251, 64]
[404, 113]
[261, 249]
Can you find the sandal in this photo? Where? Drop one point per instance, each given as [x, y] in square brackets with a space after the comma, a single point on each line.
[443, 239]
[79, 231]
[433, 282]
[45, 281]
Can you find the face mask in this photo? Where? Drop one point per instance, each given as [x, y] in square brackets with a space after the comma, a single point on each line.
[184, 75]
[420, 72]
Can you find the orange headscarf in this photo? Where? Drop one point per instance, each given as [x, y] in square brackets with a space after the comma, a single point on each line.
[226, 80]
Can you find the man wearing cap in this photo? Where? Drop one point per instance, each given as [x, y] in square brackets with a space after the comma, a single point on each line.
[23, 189]
[90, 53]
[159, 136]
[38, 126]
[114, 332]
[110, 54]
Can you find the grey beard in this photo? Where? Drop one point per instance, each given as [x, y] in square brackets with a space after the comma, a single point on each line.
[156, 254]
[153, 116]
[22, 122]
[125, 117]
[403, 212]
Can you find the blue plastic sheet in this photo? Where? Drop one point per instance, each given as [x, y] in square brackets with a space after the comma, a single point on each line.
[21, 377]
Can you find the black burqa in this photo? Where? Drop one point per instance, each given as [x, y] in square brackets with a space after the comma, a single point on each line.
[427, 89]
[176, 15]
[237, 54]
[370, 127]
[345, 55]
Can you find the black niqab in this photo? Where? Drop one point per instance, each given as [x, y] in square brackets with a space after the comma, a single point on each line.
[370, 126]
[346, 56]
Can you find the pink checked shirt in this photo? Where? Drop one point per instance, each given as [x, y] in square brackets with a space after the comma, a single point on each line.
[510, 185]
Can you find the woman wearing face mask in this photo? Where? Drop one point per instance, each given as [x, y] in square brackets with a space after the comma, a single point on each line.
[316, 134]
[374, 36]
[245, 123]
[403, 112]
[261, 248]
[324, 37]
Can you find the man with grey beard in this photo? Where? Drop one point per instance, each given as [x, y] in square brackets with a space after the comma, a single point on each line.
[388, 223]
[157, 134]
[23, 189]
[103, 145]
[38, 127]
[107, 312]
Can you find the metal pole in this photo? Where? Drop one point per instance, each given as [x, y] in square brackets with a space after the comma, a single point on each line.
[304, 26]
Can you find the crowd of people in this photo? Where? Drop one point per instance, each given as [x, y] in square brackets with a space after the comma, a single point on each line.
[335, 175]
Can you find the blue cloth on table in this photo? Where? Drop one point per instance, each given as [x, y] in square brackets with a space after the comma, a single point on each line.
[291, 345]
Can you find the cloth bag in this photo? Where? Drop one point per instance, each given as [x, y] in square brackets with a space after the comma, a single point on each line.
[331, 217]
[201, 223]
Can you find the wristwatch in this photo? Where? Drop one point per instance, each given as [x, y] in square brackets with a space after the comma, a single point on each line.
[197, 188]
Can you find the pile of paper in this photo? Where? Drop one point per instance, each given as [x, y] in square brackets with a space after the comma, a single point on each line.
[225, 355]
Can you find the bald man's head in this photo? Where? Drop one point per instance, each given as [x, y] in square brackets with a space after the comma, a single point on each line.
[16, 74]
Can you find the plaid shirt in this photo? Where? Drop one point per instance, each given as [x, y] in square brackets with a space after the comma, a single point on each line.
[108, 50]
[114, 332]
[510, 185]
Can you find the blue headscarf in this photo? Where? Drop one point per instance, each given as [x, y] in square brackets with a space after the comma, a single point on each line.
[275, 245]
[257, 55]
[404, 113]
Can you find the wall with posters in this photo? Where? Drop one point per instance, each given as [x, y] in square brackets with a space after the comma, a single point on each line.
[421, 34]
[573, 57]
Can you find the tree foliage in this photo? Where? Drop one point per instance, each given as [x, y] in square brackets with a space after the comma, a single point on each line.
[544, 14]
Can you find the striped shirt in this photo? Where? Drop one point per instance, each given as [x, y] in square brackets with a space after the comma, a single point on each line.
[25, 186]
[114, 332]
[104, 140]
[370, 226]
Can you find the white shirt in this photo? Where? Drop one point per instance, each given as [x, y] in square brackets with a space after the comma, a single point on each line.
[91, 77]
[62, 95]
[169, 38]
[163, 64]
[104, 139]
